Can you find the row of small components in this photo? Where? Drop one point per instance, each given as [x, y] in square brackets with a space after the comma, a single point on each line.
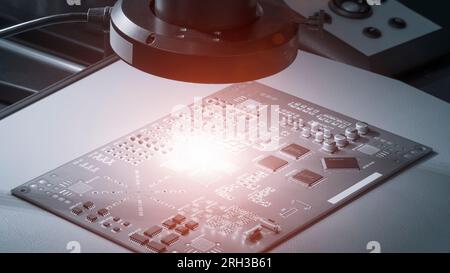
[93, 217]
[324, 136]
[178, 223]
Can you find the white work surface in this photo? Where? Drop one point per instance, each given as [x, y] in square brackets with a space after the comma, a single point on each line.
[410, 212]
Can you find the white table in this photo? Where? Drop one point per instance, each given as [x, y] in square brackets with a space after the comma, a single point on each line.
[411, 212]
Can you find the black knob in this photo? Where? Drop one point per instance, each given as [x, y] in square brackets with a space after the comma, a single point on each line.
[372, 32]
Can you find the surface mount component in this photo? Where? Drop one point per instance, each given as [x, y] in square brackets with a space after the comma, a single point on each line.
[272, 163]
[169, 187]
[307, 177]
[340, 163]
[294, 150]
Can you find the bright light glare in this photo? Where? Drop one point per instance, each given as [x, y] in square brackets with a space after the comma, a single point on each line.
[199, 154]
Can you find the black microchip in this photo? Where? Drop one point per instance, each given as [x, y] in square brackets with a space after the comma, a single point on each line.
[169, 224]
[340, 163]
[153, 231]
[170, 239]
[272, 163]
[103, 212]
[294, 150]
[307, 177]
[126, 224]
[77, 211]
[182, 230]
[138, 238]
[156, 247]
[116, 219]
[191, 224]
[106, 224]
[91, 218]
[88, 205]
[178, 218]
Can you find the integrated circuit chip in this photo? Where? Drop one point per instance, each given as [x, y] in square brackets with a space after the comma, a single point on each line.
[77, 211]
[91, 218]
[169, 224]
[103, 212]
[153, 231]
[156, 247]
[178, 218]
[170, 239]
[340, 163]
[307, 177]
[294, 150]
[182, 230]
[88, 205]
[191, 224]
[272, 163]
[138, 238]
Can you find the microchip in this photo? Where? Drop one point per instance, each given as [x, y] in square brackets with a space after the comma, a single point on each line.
[116, 219]
[156, 247]
[178, 218]
[138, 238]
[169, 224]
[294, 150]
[191, 224]
[307, 177]
[182, 230]
[103, 212]
[170, 239]
[340, 163]
[106, 224]
[88, 205]
[126, 224]
[116, 229]
[153, 231]
[77, 211]
[91, 218]
[272, 163]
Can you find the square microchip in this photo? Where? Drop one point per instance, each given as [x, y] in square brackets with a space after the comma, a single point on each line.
[294, 150]
[307, 177]
[340, 163]
[178, 218]
[272, 163]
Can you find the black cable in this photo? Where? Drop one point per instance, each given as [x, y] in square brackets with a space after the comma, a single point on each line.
[43, 22]
[95, 15]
